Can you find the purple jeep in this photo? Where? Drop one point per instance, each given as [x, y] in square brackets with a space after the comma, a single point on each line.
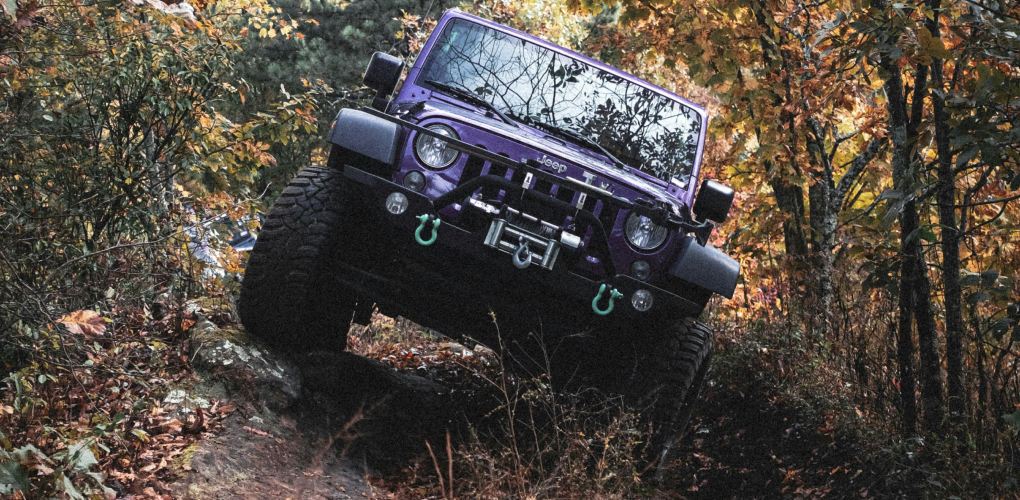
[517, 194]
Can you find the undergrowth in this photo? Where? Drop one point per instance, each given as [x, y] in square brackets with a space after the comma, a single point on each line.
[523, 438]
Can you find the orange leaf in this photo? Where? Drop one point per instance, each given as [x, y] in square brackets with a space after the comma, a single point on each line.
[84, 322]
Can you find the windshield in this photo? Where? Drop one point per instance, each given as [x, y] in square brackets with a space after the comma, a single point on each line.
[638, 125]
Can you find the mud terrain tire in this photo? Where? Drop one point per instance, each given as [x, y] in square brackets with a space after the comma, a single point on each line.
[289, 298]
[660, 374]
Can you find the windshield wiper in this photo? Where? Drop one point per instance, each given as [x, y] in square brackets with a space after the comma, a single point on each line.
[576, 136]
[471, 98]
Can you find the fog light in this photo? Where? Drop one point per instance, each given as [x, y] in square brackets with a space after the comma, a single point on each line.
[642, 300]
[396, 203]
[640, 270]
[415, 181]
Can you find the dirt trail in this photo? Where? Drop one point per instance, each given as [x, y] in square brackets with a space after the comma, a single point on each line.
[252, 459]
[316, 426]
[320, 426]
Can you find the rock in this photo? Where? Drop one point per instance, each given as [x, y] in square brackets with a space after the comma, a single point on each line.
[254, 460]
[231, 354]
[397, 411]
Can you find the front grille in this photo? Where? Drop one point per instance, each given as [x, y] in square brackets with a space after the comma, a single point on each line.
[490, 192]
[605, 210]
[472, 169]
[607, 215]
[565, 194]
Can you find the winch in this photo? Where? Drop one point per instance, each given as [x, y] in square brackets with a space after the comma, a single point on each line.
[527, 239]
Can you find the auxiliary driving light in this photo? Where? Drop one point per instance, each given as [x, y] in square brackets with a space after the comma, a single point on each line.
[415, 181]
[396, 203]
[640, 270]
[642, 300]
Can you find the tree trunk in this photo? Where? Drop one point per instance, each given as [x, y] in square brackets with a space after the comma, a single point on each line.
[905, 358]
[950, 240]
[927, 335]
[915, 297]
[790, 199]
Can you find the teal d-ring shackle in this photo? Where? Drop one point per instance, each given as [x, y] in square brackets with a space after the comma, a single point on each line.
[613, 295]
[424, 219]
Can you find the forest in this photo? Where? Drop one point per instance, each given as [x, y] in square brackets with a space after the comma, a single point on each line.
[874, 147]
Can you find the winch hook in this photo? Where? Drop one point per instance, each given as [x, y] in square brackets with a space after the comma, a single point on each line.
[522, 256]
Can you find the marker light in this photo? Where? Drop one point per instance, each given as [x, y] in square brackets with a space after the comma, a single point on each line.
[642, 300]
[396, 203]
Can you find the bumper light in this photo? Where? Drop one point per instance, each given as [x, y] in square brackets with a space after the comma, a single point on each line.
[642, 300]
[415, 181]
[396, 203]
[640, 270]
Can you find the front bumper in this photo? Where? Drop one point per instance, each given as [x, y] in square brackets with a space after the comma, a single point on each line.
[461, 266]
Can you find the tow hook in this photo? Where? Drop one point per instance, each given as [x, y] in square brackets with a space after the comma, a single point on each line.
[613, 295]
[425, 219]
[522, 256]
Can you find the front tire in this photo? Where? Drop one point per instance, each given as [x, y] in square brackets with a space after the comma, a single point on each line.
[660, 373]
[289, 296]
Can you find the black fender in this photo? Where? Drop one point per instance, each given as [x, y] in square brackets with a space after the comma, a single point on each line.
[706, 267]
[360, 139]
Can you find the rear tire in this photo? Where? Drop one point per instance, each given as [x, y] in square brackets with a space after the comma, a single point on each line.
[289, 295]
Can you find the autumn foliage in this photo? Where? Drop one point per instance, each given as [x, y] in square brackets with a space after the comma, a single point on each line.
[873, 146]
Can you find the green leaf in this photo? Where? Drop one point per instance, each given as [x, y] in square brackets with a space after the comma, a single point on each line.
[966, 156]
[81, 457]
[70, 490]
[9, 8]
[1013, 419]
[13, 477]
[988, 278]
[978, 297]
[970, 279]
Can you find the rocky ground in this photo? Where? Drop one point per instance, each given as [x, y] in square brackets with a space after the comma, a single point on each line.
[336, 426]
[317, 426]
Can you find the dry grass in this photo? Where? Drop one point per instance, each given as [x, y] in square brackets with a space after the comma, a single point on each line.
[523, 440]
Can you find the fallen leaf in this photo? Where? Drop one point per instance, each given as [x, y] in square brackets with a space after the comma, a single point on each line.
[84, 322]
[256, 431]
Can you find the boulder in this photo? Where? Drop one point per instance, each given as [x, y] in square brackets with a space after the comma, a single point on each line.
[243, 364]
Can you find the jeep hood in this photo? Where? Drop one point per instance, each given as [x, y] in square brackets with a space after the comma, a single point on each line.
[556, 148]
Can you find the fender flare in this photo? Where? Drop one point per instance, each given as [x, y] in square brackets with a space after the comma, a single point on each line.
[367, 137]
[706, 267]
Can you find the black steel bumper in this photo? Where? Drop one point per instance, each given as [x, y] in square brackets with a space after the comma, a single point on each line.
[460, 266]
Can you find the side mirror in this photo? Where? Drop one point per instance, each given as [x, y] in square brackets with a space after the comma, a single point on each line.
[382, 75]
[713, 202]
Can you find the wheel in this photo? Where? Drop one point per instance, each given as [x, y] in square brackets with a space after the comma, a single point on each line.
[289, 297]
[659, 373]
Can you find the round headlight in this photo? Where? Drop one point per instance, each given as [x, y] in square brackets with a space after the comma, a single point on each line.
[643, 233]
[435, 152]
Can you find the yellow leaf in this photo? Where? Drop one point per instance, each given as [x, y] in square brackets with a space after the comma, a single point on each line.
[932, 46]
[84, 322]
